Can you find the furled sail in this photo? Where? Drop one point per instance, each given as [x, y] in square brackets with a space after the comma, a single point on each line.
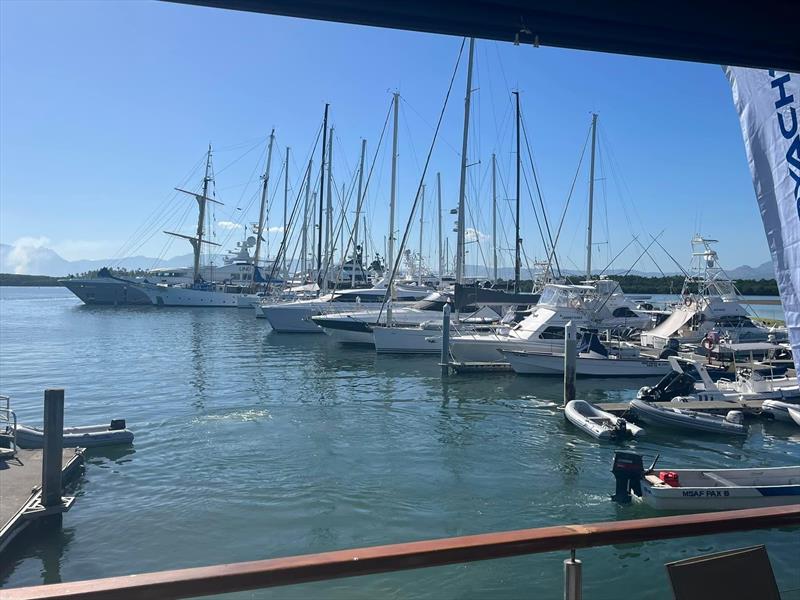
[768, 103]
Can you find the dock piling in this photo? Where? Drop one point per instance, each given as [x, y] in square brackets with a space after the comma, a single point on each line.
[53, 449]
[573, 578]
[445, 360]
[569, 362]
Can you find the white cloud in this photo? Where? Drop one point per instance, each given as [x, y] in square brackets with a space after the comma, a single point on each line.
[229, 225]
[23, 253]
[472, 235]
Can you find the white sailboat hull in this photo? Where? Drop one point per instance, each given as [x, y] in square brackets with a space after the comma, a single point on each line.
[541, 363]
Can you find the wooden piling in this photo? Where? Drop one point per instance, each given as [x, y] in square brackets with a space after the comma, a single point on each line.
[53, 448]
[445, 360]
[569, 362]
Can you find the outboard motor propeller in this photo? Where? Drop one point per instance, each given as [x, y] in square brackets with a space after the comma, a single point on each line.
[628, 470]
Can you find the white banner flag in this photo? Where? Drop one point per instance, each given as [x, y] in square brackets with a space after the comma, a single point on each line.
[769, 112]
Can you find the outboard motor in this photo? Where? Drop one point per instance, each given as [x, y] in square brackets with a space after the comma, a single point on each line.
[620, 430]
[628, 470]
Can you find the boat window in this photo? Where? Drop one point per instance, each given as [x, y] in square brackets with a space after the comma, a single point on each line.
[624, 311]
[734, 321]
[552, 333]
[560, 297]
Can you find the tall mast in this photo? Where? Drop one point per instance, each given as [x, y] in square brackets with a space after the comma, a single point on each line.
[201, 217]
[421, 218]
[392, 195]
[358, 216]
[462, 191]
[285, 203]
[439, 212]
[329, 242]
[494, 215]
[321, 196]
[517, 262]
[262, 209]
[304, 239]
[591, 202]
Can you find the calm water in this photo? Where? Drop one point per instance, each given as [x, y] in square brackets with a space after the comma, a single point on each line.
[253, 445]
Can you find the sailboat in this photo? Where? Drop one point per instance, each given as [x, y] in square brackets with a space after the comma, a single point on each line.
[200, 292]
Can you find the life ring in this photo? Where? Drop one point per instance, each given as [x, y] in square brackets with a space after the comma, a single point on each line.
[687, 301]
[707, 343]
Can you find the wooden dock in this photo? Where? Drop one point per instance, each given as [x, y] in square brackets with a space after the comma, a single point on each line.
[21, 488]
[748, 407]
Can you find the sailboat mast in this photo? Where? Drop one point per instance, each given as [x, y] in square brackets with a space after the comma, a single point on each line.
[358, 217]
[462, 190]
[517, 261]
[263, 207]
[304, 240]
[321, 196]
[393, 194]
[285, 203]
[494, 215]
[329, 241]
[439, 212]
[201, 217]
[591, 202]
[421, 218]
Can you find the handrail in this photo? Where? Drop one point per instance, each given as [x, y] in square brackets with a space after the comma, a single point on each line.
[218, 579]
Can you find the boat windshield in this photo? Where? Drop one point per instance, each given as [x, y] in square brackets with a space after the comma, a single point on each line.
[561, 297]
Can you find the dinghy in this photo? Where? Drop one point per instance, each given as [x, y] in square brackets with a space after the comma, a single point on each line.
[704, 489]
[677, 418]
[781, 411]
[599, 424]
[91, 436]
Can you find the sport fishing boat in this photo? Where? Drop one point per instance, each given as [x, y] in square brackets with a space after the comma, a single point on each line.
[599, 424]
[703, 489]
[709, 303]
[594, 360]
[595, 304]
[690, 379]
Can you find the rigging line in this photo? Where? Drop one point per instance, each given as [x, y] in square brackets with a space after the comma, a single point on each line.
[236, 160]
[156, 215]
[536, 181]
[430, 126]
[653, 260]
[536, 214]
[608, 266]
[630, 269]
[566, 205]
[388, 293]
[241, 144]
[369, 178]
[503, 227]
[284, 238]
[410, 138]
[685, 273]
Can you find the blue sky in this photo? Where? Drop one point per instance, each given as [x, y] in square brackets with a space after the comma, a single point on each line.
[105, 106]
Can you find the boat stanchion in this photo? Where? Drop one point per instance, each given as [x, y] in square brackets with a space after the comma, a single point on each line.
[52, 452]
[573, 578]
[570, 344]
[445, 359]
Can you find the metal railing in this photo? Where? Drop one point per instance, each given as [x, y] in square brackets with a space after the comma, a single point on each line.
[8, 424]
[225, 578]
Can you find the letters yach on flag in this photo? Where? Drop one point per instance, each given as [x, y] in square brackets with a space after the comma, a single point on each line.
[768, 103]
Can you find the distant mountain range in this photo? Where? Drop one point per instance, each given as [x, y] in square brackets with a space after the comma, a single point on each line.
[45, 261]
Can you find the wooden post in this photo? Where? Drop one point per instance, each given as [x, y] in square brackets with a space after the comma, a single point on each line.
[53, 447]
[445, 360]
[569, 362]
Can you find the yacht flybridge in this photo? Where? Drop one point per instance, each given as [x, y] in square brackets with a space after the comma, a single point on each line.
[709, 303]
[598, 304]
